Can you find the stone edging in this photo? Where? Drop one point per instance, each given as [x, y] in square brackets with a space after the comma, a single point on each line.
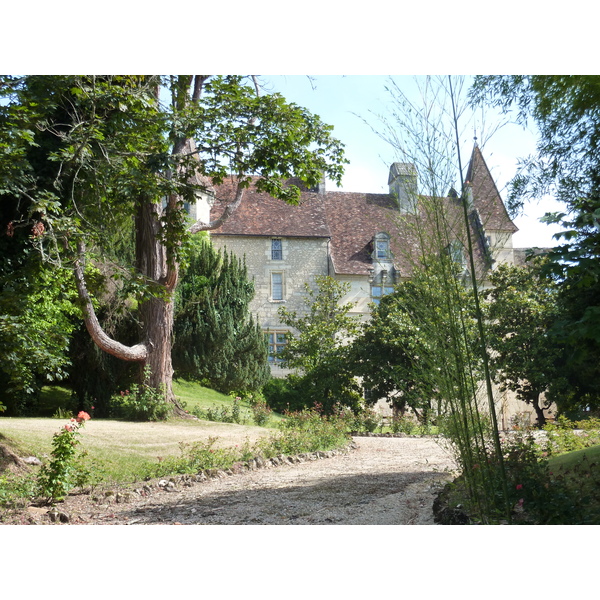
[390, 435]
[187, 480]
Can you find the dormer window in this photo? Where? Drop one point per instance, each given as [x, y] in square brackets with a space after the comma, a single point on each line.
[456, 253]
[276, 250]
[382, 247]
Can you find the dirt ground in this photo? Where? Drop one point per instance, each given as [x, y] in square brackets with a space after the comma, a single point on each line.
[381, 481]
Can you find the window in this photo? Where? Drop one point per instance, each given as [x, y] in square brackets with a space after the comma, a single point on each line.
[276, 250]
[382, 247]
[276, 286]
[276, 341]
[377, 291]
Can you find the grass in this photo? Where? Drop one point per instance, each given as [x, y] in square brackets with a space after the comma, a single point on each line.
[579, 470]
[121, 449]
[195, 397]
[52, 398]
[192, 395]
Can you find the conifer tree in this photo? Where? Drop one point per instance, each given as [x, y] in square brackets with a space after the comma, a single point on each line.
[216, 338]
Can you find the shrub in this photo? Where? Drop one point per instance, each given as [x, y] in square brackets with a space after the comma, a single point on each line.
[366, 420]
[197, 457]
[142, 403]
[536, 495]
[409, 426]
[221, 414]
[261, 413]
[305, 431]
[300, 432]
[15, 490]
[283, 395]
[563, 437]
[61, 474]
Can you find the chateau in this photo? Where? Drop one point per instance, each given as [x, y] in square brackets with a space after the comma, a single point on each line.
[360, 238]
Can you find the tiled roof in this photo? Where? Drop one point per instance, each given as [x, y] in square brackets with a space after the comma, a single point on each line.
[352, 219]
[261, 214]
[486, 197]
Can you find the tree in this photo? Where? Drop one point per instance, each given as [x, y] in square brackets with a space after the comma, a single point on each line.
[319, 350]
[36, 322]
[566, 110]
[443, 222]
[84, 155]
[522, 308]
[215, 338]
[404, 351]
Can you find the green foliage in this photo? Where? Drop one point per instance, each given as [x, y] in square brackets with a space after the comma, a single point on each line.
[578, 471]
[61, 413]
[565, 110]
[85, 157]
[143, 402]
[566, 166]
[322, 331]
[564, 435]
[95, 377]
[521, 309]
[437, 332]
[365, 420]
[261, 413]
[413, 351]
[216, 339]
[198, 457]
[37, 312]
[16, 490]
[303, 431]
[300, 432]
[543, 488]
[222, 414]
[281, 394]
[409, 426]
[64, 471]
[320, 350]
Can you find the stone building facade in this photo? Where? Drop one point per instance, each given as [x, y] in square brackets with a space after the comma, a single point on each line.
[354, 237]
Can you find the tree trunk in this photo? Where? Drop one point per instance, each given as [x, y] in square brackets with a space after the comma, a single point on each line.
[156, 312]
[541, 418]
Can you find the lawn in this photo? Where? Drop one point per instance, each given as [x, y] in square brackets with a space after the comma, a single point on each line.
[193, 396]
[119, 449]
[580, 470]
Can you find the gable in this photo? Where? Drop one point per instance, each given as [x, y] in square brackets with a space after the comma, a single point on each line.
[486, 197]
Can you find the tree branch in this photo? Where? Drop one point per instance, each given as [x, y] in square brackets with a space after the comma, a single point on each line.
[135, 353]
[229, 210]
[198, 85]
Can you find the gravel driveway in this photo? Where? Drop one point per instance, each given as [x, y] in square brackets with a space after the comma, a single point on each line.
[382, 481]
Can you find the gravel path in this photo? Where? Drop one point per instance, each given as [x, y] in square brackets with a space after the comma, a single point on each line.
[382, 481]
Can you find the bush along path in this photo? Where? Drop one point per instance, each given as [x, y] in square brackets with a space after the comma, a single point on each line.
[373, 480]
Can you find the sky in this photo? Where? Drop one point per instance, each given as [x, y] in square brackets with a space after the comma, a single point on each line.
[346, 102]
